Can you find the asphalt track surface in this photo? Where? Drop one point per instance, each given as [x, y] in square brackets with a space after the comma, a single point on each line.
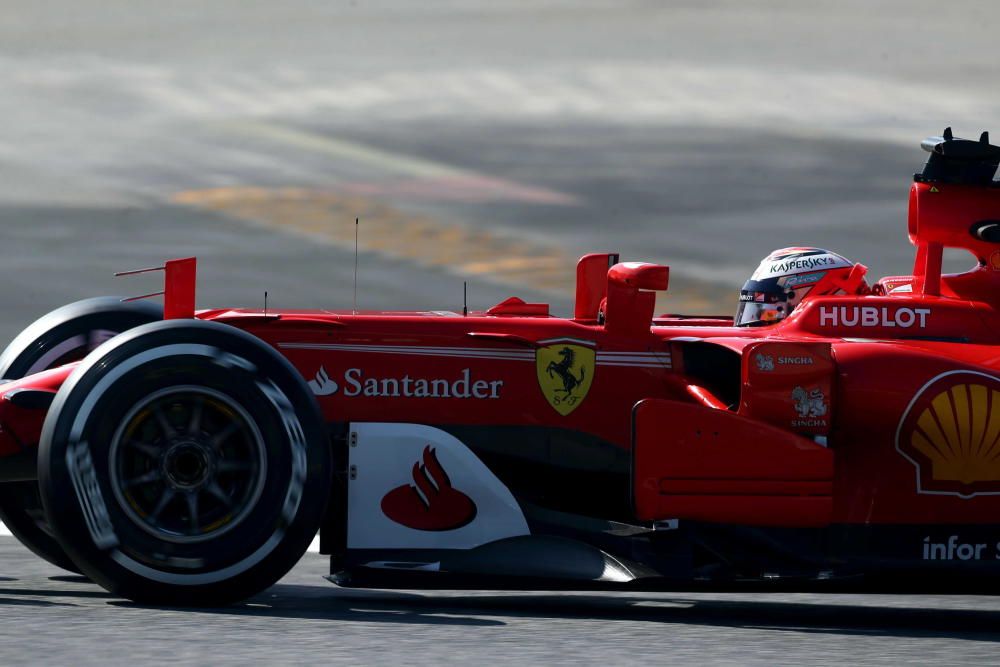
[487, 142]
[53, 618]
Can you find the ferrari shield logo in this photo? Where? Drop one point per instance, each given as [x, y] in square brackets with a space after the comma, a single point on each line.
[565, 373]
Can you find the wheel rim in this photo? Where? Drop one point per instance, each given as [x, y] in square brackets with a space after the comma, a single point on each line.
[187, 464]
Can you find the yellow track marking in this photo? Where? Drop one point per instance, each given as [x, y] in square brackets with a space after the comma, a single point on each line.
[395, 234]
[456, 248]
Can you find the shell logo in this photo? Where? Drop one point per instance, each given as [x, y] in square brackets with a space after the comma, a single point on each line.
[951, 433]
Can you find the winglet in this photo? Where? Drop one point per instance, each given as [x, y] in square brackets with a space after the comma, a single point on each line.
[178, 287]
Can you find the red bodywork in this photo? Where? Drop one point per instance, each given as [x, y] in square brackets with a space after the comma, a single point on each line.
[856, 410]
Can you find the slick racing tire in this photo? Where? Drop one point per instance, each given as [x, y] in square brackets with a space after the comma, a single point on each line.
[63, 335]
[70, 333]
[185, 463]
[22, 512]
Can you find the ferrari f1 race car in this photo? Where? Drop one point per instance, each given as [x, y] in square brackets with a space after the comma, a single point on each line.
[186, 456]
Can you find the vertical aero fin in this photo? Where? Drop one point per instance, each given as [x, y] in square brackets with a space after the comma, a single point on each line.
[179, 280]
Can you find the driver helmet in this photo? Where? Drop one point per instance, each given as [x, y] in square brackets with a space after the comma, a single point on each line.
[787, 276]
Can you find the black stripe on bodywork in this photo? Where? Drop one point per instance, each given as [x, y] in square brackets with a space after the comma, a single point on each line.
[558, 469]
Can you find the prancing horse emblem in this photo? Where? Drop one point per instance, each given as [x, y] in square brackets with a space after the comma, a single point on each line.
[565, 373]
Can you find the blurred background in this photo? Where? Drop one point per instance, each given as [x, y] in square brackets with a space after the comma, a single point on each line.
[492, 142]
[488, 141]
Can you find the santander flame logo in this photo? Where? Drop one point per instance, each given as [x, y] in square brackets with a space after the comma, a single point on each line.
[430, 503]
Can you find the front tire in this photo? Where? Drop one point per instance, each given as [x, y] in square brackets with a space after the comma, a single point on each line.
[64, 335]
[186, 464]
[22, 512]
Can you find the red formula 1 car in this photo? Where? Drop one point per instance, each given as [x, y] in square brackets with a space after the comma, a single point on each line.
[189, 457]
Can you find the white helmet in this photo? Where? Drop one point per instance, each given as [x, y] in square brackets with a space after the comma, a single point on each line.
[786, 276]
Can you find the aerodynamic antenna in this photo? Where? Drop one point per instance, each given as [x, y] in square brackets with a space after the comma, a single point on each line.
[265, 303]
[356, 225]
[465, 298]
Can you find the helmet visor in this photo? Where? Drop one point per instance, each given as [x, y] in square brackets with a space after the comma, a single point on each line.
[752, 313]
[761, 302]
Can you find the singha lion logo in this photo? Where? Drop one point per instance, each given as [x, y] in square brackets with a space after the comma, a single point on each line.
[809, 403]
[765, 362]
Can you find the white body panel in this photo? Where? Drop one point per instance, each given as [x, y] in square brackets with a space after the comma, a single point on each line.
[384, 457]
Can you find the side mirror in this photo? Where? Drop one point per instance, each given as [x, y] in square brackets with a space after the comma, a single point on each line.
[640, 275]
[631, 301]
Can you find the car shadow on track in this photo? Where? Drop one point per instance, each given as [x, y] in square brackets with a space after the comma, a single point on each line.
[21, 602]
[325, 603]
[56, 593]
[477, 609]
